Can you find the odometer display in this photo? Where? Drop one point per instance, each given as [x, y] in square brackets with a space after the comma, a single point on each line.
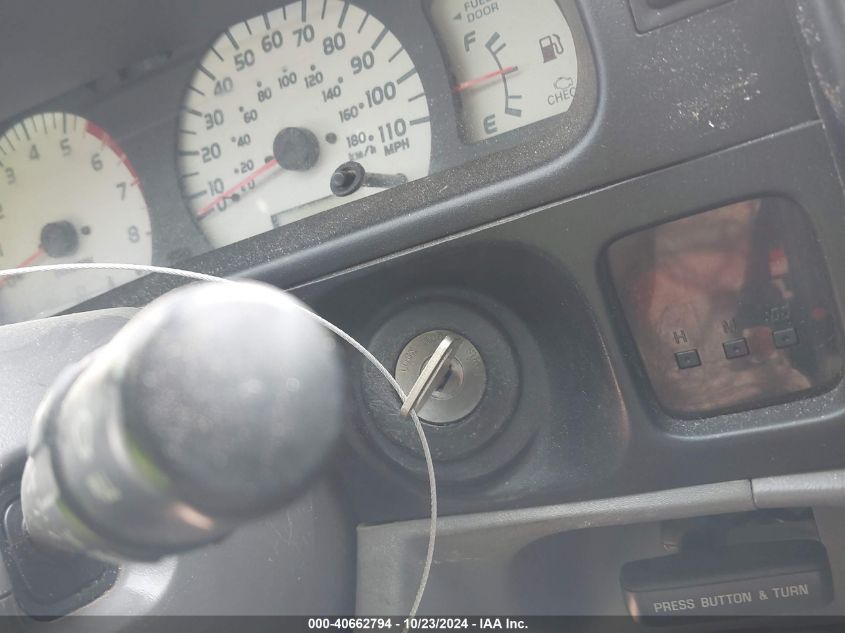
[282, 100]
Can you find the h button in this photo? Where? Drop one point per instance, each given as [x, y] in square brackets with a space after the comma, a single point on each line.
[688, 359]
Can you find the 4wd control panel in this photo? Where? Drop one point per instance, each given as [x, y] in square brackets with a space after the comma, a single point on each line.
[731, 308]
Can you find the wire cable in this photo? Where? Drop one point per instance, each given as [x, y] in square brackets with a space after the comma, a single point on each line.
[194, 276]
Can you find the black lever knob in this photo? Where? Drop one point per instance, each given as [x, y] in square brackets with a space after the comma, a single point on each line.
[216, 404]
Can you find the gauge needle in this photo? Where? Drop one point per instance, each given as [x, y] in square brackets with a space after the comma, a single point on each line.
[29, 261]
[270, 164]
[469, 83]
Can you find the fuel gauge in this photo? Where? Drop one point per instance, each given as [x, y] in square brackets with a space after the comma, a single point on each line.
[511, 65]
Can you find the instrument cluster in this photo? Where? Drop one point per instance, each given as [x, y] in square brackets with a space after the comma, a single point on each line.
[286, 114]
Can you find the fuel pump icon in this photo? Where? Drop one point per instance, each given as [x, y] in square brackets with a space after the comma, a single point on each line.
[551, 47]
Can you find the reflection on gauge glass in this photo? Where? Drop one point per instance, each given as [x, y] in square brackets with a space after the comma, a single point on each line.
[510, 65]
[282, 100]
[67, 194]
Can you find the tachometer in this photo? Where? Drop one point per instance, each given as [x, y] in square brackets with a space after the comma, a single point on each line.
[282, 100]
[67, 194]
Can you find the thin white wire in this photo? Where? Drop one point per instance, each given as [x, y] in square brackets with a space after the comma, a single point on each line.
[176, 272]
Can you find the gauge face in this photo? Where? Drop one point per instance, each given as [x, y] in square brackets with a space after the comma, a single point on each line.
[510, 66]
[282, 100]
[67, 194]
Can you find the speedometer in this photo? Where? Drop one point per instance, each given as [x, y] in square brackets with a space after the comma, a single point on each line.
[281, 101]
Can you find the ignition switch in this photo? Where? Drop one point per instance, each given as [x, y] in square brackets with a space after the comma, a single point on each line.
[455, 387]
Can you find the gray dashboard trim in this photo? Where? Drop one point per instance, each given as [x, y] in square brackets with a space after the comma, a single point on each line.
[390, 557]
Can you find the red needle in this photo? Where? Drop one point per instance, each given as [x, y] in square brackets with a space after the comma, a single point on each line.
[29, 261]
[32, 258]
[235, 188]
[469, 83]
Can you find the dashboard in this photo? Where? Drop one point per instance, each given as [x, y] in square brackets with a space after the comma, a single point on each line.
[279, 116]
[625, 215]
